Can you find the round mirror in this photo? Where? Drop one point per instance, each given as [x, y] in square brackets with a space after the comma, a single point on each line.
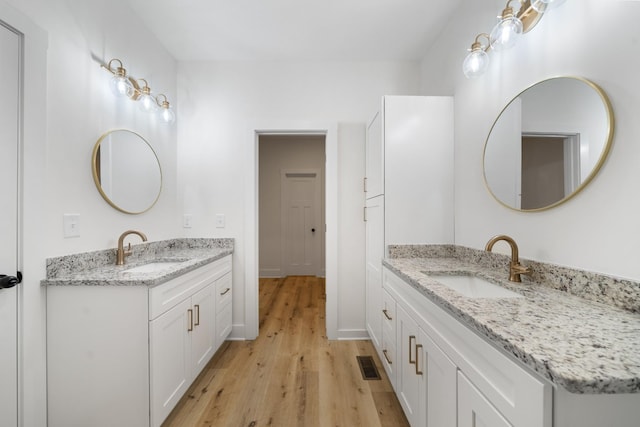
[126, 171]
[548, 143]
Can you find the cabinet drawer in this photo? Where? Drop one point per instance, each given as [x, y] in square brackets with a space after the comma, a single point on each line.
[389, 356]
[224, 292]
[388, 311]
[167, 295]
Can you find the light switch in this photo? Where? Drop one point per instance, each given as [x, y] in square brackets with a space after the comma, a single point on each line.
[71, 225]
[220, 221]
[187, 221]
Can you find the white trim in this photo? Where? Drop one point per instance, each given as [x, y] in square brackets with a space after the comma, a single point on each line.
[271, 273]
[353, 334]
[330, 130]
[31, 304]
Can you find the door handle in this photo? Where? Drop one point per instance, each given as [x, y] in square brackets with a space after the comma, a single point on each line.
[7, 282]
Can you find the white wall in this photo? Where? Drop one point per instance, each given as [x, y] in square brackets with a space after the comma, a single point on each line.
[279, 152]
[596, 39]
[219, 101]
[79, 109]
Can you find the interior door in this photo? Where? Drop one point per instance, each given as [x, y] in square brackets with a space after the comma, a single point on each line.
[10, 83]
[301, 222]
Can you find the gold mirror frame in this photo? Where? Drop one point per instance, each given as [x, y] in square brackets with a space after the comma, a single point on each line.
[601, 159]
[97, 179]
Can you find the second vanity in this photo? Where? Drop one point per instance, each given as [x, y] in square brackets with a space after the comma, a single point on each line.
[125, 342]
[538, 357]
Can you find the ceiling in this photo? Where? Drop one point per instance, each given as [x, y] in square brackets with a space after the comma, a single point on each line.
[290, 30]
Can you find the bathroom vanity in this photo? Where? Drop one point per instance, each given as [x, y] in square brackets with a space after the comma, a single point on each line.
[124, 343]
[528, 356]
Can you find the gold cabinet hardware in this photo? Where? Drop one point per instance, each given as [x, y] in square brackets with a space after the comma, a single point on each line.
[418, 371]
[197, 307]
[225, 291]
[386, 314]
[190, 312]
[387, 357]
[411, 338]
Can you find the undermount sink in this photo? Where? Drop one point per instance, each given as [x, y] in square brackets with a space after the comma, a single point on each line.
[153, 267]
[473, 286]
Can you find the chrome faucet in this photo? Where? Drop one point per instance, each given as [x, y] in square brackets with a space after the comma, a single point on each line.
[122, 253]
[515, 268]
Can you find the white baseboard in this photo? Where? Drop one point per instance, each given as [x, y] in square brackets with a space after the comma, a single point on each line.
[237, 333]
[353, 334]
[270, 273]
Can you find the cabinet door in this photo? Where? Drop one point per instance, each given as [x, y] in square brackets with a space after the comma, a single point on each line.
[474, 410]
[374, 215]
[203, 334]
[441, 386]
[374, 152]
[170, 359]
[411, 375]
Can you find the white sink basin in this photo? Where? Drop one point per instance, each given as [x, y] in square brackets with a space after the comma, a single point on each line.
[474, 287]
[153, 267]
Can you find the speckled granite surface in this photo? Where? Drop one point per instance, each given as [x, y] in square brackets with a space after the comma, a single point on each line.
[99, 268]
[582, 345]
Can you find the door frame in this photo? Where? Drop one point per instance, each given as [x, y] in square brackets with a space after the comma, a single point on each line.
[284, 174]
[275, 127]
[31, 254]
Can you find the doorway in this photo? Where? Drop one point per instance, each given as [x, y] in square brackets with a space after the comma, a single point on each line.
[291, 205]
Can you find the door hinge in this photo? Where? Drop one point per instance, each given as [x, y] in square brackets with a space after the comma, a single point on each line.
[364, 184]
[364, 214]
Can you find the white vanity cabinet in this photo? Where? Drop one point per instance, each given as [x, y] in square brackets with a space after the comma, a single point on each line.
[125, 355]
[447, 376]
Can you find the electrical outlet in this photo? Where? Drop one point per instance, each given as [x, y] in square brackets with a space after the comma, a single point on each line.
[71, 225]
[187, 221]
[220, 221]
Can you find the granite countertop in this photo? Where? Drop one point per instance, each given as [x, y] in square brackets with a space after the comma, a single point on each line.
[99, 268]
[586, 347]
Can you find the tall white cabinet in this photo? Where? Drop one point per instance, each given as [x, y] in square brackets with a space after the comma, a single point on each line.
[408, 187]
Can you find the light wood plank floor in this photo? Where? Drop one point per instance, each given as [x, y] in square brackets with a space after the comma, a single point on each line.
[291, 375]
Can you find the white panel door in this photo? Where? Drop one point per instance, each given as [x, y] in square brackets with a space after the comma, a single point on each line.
[374, 252]
[474, 410]
[412, 373]
[204, 328]
[301, 222]
[374, 153]
[170, 359]
[10, 72]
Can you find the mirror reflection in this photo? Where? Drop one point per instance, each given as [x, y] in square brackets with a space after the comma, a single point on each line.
[126, 171]
[548, 143]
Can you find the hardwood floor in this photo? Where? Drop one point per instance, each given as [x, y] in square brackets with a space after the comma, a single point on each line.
[291, 375]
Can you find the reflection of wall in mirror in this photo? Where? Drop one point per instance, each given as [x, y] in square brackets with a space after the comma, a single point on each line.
[129, 171]
[502, 165]
[576, 108]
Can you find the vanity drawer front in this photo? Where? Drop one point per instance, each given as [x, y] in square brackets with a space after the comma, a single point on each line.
[388, 312]
[224, 292]
[167, 295]
[223, 324]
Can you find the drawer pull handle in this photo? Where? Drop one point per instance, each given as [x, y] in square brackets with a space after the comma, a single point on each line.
[418, 371]
[190, 328]
[197, 307]
[225, 291]
[387, 357]
[386, 314]
[411, 338]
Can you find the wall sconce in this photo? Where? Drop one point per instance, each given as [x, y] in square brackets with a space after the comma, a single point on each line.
[125, 86]
[505, 34]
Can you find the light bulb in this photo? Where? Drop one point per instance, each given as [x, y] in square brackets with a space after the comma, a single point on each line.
[147, 103]
[475, 64]
[166, 112]
[506, 32]
[121, 86]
